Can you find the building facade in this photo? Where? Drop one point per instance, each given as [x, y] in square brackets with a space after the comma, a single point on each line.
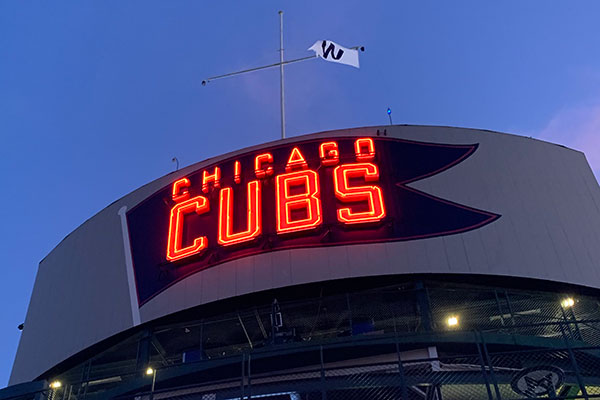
[396, 262]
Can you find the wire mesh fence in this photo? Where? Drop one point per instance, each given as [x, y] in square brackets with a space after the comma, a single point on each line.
[384, 371]
[421, 341]
[559, 374]
[540, 374]
[396, 310]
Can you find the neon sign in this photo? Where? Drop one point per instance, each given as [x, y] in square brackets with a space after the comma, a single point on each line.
[371, 194]
[311, 193]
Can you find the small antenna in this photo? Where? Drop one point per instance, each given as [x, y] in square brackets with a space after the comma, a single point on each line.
[175, 160]
[389, 113]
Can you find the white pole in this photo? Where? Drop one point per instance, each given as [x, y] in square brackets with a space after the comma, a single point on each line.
[281, 74]
[153, 382]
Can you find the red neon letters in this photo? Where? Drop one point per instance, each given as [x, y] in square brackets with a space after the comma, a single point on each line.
[297, 192]
[329, 153]
[254, 215]
[178, 193]
[175, 251]
[306, 201]
[237, 172]
[215, 178]
[258, 165]
[352, 194]
[296, 161]
[364, 149]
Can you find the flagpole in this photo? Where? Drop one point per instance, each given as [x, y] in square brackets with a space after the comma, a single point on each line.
[281, 64]
[281, 74]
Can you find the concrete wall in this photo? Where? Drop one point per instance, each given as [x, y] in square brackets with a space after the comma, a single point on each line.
[550, 229]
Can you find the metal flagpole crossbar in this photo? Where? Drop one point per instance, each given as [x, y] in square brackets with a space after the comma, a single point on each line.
[213, 78]
[279, 64]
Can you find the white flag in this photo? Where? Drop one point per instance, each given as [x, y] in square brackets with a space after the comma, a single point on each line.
[330, 51]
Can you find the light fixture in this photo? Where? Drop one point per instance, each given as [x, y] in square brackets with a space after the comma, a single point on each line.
[149, 371]
[56, 384]
[452, 321]
[567, 302]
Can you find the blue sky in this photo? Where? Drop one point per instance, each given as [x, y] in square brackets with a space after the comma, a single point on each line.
[96, 97]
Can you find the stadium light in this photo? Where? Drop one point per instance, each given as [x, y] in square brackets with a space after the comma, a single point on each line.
[567, 303]
[452, 321]
[56, 384]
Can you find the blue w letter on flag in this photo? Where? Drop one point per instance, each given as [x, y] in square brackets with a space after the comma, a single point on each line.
[331, 49]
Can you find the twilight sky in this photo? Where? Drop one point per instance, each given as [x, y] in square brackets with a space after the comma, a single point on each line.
[97, 97]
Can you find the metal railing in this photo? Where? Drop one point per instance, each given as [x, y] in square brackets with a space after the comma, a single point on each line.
[384, 368]
[400, 316]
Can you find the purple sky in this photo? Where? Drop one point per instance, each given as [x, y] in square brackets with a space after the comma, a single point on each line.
[96, 97]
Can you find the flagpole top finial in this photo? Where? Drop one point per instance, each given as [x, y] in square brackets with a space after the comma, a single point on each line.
[280, 12]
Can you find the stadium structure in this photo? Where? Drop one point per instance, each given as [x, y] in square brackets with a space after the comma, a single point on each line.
[396, 262]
